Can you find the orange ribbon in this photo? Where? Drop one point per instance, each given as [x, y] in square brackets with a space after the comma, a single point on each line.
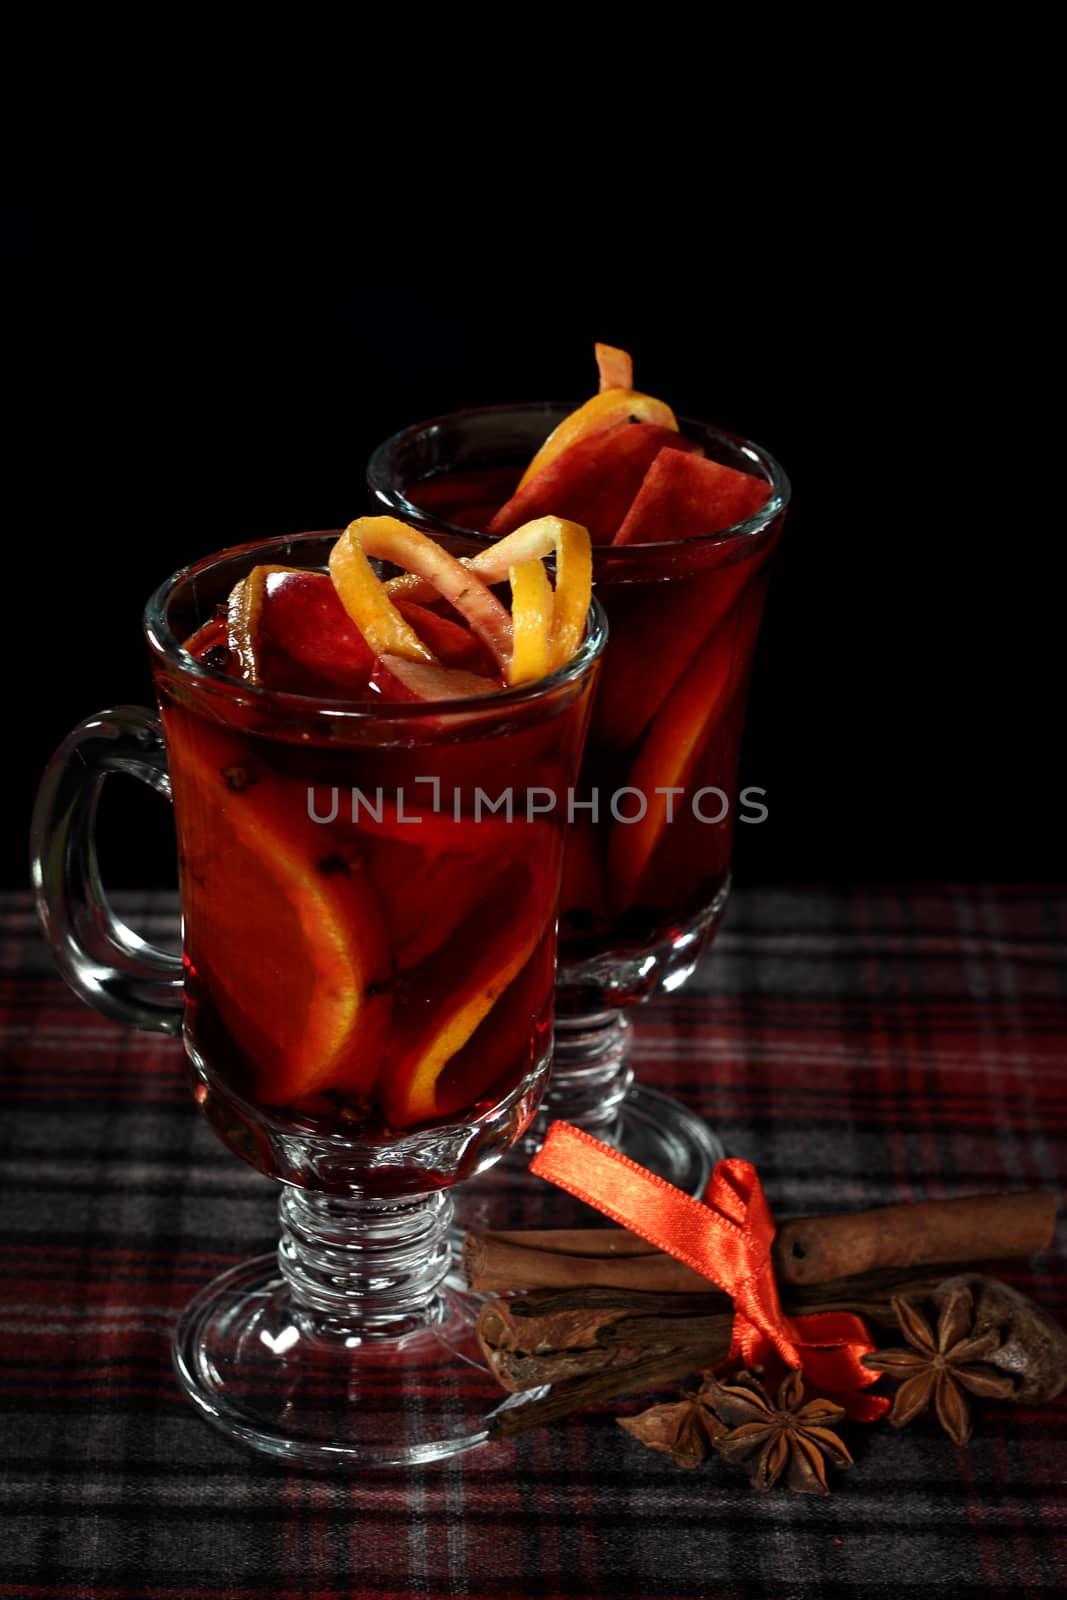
[727, 1238]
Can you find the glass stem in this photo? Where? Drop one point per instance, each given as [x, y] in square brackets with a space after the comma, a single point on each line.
[364, 1269]
[590, 1073]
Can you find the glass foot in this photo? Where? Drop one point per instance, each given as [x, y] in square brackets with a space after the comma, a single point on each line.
[652, 1129]
[310, 1390]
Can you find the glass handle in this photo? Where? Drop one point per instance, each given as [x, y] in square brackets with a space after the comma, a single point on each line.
[104, 961]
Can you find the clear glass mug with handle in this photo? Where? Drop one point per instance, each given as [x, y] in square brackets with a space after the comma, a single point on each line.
[650, 844]
[364, 997]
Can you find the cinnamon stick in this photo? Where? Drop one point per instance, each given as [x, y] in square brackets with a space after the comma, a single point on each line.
[650, 1372]
[580, 1241]
[697, 1342]
[806, 1250]
[547, 1337]
[494, 1263]
[979, 1227]
[553, 1337]
[526, 1344]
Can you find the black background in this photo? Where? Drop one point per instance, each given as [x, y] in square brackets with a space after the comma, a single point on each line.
[238, 262]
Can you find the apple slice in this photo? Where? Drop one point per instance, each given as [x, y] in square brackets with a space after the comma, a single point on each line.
[394, 678]
[686, 495]
[453, 645]
[290, 631]
[593, 481]
[302, 621]
[304, 984]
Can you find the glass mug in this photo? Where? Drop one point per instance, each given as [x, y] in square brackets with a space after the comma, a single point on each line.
[364, 996]
[648, 872]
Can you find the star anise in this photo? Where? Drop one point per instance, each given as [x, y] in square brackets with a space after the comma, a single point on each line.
[771, 1439]
[940, 1362]
[683, 1429]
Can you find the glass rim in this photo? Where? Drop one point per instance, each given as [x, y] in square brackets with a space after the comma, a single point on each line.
[165, 647]
[389, 495]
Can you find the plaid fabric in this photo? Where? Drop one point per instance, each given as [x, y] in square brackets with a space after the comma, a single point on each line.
[858, 1047]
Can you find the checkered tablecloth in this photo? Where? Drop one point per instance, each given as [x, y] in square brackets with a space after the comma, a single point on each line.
[858, 1047]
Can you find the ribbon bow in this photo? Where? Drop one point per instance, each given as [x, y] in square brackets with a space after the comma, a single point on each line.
[727, 1238]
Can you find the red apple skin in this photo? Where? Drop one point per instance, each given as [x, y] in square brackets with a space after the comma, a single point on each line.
[308, 644]
[592, 482]
[452, 644]
[684, 495]
[307, 640]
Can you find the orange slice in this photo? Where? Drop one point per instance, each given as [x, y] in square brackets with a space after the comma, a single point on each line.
[674, 742]
[410, 1096]
[368, 601]
[244, 610]
[409, 1090]
[361, 593]
[605, 410]
[544, 536]
[615, 366]
[531, 620]
[506, 1043]
[290, 945]
[569, 543]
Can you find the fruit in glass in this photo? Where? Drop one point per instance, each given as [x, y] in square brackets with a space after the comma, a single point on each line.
[368, 953]
[684, 520]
